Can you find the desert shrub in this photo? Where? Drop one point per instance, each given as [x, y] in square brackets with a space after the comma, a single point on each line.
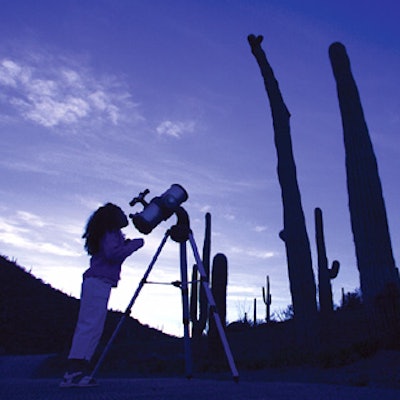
[283, 315]
[352, 300]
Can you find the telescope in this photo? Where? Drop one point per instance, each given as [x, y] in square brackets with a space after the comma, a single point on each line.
[159, 209]
[154, 212]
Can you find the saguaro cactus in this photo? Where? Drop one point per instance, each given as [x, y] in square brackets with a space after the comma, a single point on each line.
[267, 299]
[301, 276]
[198, 298]
[325, 274]
[378, 275]
[219, 282]
[254, 312]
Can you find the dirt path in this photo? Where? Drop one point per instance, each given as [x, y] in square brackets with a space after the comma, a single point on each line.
[180, 388]
[18, 382]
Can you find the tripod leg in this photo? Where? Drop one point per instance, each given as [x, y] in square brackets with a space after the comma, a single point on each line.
[213, 309]
[130, 305]
[185, 307]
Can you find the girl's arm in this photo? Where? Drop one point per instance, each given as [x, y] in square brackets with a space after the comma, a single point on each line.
[116, 248]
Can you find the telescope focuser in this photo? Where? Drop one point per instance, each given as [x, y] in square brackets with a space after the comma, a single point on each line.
[140, 199]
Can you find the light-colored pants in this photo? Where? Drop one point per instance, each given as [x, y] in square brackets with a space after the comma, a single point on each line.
[92, 315]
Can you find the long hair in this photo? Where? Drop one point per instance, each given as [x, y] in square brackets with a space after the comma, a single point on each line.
[105, 219]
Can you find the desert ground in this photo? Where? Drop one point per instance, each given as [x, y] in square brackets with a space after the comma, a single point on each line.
[374, 378]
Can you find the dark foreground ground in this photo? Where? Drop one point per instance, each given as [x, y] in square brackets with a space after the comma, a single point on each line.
[195, 389]
[17, 382]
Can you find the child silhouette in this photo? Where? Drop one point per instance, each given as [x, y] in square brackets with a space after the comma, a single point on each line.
[108, 248]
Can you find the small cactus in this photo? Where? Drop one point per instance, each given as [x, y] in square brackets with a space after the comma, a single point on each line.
[325, 274]
[267, 298]
[219, 284]
[255, 313]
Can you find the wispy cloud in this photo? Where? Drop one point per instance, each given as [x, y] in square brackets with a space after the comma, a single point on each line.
[206, 208]
[229, 217]
[31, 219]
[175, 129]
[252, 252]
[50, 93]
[22, 232]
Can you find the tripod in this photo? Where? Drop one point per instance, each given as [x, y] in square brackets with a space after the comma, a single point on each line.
[180, 233]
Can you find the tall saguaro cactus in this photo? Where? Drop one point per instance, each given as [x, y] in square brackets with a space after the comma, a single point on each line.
[378, 275]
[301, 276]
[325, 274]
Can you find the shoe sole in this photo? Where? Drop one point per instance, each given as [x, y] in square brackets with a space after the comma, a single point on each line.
[76, 385]
[66, 385]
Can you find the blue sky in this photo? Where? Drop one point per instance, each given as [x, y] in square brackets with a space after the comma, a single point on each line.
[100, 100]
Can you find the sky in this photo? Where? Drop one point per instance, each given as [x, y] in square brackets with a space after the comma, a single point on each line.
[100, 100]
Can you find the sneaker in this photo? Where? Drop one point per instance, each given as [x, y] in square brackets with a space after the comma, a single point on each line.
[77, 379]
[87, 381]
[71, 379]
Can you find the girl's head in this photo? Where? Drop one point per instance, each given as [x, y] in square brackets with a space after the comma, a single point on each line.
[105, 219]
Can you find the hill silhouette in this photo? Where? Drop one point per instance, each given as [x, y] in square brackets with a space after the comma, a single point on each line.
[36, 318]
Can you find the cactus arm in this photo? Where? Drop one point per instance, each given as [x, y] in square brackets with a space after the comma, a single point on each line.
[334, 270]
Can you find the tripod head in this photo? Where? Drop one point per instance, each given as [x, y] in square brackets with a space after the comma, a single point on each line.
[158, 209]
